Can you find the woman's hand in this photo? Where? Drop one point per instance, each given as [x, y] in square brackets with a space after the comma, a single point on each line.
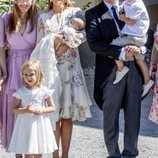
[156, 39]
[3, 79]
[61, 50]
[58, 41]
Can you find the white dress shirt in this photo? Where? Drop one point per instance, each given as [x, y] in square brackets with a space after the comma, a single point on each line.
[138, 12]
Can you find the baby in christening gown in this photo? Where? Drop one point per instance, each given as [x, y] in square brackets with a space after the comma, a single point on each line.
[48, 60]
[68, 35]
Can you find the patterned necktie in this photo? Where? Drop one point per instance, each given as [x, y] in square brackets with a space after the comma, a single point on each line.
[118, 21]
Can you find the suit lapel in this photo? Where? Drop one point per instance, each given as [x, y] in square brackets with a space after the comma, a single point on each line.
[107, 20]
[104, 11]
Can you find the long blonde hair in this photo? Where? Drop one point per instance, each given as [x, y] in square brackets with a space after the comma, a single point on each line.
[14, 21]
[35, 65]
[67, 3]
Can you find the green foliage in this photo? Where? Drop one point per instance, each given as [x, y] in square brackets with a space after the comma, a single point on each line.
[86, 6]
[5, 5]
[42, 4]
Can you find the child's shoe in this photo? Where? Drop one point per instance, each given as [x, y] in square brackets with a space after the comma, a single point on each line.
[147, 87]
[120, 74]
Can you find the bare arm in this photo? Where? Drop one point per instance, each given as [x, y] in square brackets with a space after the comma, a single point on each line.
[49, 109]
[3, 66]
[18, 110]
[61, 50]
[127, 21]
[51, 105]
[40, 30]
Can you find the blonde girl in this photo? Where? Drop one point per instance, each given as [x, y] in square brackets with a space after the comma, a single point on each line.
[33, 133]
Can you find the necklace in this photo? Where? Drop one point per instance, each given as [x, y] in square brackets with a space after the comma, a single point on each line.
[22, 21]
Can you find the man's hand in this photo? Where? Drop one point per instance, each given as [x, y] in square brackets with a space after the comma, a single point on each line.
[131, 50]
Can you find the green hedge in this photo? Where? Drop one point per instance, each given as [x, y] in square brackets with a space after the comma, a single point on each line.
[5, 5]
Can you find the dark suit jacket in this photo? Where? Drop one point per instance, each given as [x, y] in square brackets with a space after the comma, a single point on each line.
[101, 30]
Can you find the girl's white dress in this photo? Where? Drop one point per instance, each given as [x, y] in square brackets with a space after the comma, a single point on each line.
[74, 101]
[33, 134]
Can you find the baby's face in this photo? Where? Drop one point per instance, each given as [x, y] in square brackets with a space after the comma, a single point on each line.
[74, 24]
[77, 24]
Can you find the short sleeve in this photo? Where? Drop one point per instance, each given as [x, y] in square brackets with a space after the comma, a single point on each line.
[17, 94]
[40, 29]
[48, 92]
[1, 32]
[133, 12]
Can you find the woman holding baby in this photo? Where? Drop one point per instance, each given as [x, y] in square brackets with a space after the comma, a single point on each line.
[74, 100]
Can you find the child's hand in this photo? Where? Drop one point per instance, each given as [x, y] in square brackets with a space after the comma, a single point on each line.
[122, 16]
[30, 109]
[38, 111]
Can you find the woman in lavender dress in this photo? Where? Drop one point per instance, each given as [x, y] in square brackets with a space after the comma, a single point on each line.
[3, 70]
[19, 38]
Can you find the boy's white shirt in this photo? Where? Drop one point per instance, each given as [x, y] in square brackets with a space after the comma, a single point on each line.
[138, 12]
[122, 54]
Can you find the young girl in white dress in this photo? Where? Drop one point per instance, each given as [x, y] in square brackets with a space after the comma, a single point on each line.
[33, 134]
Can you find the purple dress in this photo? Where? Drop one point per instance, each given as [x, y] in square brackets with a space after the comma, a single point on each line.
[20, 48]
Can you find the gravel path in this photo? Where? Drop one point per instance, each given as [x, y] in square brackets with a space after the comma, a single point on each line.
[87, 140]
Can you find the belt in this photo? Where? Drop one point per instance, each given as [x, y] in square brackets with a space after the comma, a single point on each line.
[19, 53]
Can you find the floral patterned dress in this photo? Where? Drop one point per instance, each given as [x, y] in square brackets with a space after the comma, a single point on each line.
[74, 100]
[153, 116]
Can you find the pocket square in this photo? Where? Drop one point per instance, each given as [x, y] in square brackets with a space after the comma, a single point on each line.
[107, 15]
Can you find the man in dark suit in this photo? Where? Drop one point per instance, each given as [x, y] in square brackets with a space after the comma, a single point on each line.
[101, 28]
